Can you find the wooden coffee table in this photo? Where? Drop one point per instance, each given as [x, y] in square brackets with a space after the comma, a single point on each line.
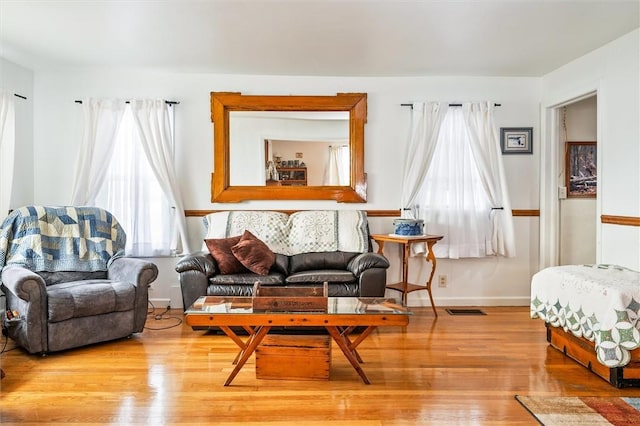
[342, 316]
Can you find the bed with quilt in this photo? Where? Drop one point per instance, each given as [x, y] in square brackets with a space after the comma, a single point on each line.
[592, 315]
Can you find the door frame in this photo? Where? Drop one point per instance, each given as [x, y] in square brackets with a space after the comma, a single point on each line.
[551, 165]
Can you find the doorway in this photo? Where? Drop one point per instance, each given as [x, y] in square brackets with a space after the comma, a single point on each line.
[569, 231]
[578, 210]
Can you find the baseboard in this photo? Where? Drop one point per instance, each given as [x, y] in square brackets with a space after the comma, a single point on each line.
[160, 303]
[414, 301]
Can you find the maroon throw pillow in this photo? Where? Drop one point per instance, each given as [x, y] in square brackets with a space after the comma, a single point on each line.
[254, 255]
[220, 249]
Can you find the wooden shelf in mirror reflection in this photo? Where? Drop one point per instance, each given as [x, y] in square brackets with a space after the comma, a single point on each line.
[292, 176]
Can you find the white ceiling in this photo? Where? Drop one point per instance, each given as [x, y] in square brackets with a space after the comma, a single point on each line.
[313, 37]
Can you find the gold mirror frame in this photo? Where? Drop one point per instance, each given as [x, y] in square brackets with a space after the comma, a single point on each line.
[224, 102]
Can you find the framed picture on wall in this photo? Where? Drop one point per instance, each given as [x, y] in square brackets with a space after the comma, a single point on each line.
[516, 140]
[581, 174]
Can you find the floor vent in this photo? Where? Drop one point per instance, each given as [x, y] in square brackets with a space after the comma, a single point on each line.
[465, 312]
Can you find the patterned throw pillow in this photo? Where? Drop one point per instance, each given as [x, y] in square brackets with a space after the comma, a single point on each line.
[220, 249]
[254, 255]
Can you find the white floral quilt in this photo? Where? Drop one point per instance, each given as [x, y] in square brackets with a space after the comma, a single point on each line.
[598, 302]
[300, 232]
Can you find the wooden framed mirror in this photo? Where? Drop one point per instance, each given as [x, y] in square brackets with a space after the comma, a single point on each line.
[240, 172]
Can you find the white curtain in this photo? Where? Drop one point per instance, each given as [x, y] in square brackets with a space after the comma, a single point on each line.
[425, 128]
[337, 170]
[102, 120]
[151, 118]
[7, 150]
[485, 146]
[140, 188]
[463, 194]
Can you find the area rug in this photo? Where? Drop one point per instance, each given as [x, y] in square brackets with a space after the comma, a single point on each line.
[583, 411]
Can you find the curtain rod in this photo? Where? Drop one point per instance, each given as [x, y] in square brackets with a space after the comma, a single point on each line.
[19, 96]
[126, 102]
[451, 105]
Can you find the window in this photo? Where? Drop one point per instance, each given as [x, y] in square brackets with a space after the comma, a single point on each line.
[452, 199]
[132, 193]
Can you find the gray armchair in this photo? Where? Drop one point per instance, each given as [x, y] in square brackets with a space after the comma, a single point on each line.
[69, 285]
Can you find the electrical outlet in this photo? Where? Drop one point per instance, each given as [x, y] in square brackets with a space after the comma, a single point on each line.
[442, 280]
[562, 192]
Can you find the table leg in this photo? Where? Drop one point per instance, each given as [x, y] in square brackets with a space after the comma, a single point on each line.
[353, 345]
[345, 331]
[251, 345]
[347, 349]
[430, 257]
[405, 272]
[237, 340]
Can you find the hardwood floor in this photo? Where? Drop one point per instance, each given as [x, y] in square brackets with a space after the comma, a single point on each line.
[454, 370]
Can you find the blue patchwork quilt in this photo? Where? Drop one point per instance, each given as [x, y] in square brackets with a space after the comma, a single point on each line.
[61, 239]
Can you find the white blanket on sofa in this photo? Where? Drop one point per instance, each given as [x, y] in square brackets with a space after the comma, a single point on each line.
[300, 232]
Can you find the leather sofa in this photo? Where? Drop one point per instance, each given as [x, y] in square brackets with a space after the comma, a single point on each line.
[351, 273]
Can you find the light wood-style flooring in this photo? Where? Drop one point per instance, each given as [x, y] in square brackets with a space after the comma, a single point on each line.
[461, 370]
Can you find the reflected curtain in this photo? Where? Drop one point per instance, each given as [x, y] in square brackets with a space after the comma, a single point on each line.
[7, 150]
[337, 170]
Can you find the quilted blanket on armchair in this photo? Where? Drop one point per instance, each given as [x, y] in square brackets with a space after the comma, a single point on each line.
[54, 239]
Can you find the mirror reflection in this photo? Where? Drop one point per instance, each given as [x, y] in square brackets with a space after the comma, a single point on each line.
[247, 127]
[295, 148]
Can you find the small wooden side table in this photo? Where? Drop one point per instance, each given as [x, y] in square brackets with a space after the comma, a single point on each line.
[405, 286]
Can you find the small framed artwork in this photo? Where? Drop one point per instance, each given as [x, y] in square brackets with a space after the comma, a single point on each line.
[516, 140]
[581, 173]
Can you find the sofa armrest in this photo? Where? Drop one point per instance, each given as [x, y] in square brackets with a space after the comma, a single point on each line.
[140, 273]
[26, 293]
[194, 271]
[23, 283]
[200, 261]
[133, 270]
[365, 261]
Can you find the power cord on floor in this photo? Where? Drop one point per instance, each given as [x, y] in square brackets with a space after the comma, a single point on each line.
[162, 316]
[5, 334]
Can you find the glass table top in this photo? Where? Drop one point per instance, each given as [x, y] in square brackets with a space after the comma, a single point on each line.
[335, 305]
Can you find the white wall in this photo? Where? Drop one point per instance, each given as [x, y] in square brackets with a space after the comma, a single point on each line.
[613, 71]
[471, 282]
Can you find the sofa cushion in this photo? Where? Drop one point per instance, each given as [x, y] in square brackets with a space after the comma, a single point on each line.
[320, 276]
[321, 260]
[220, 249]
[273, 278]
[253, 254]
[89, 298]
